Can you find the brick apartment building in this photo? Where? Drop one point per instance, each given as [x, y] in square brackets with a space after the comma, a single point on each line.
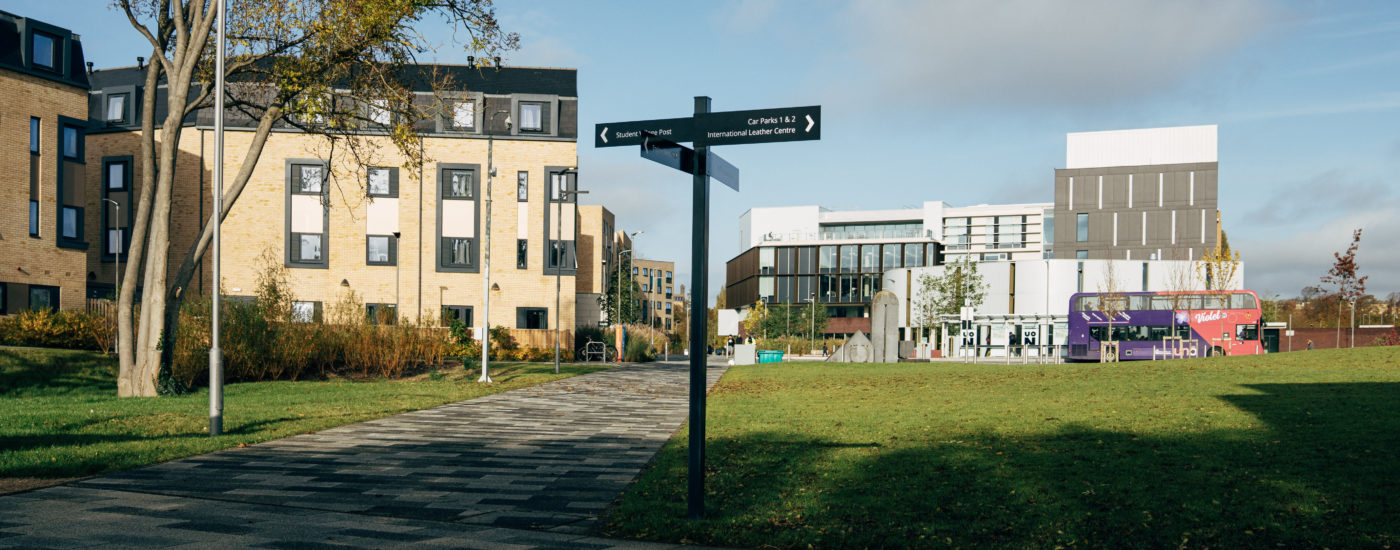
[43, 115]
[658, 296]
[382, 230]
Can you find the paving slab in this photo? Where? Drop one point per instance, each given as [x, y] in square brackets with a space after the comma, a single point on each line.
[531, 468]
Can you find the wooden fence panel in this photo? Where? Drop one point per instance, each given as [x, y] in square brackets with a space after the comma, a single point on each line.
[542, 338]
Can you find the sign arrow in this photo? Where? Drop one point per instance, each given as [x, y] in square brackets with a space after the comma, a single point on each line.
[758, 126]
[604, 134]
[809, 124]
[622, 134]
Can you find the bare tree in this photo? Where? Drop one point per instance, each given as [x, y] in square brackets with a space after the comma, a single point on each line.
[310, 65]
[1111, 303]
[1350, 287]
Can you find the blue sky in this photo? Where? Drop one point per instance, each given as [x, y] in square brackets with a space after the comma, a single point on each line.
[969, 103]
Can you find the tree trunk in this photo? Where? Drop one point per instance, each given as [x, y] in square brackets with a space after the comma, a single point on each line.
[126, 377]
[175, 297]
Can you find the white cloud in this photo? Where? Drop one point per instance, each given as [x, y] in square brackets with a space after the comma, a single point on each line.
[1285, 263]
[1031, 52]
[742, 16]
[1302, 201]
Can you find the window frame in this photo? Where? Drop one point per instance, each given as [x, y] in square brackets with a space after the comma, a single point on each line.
[1081, 227]
[55, 51]
[293, 168]
[393, 182]
[391, 247]
[539, 117]
[522, 186]
[55, 296]
[522, 253]
[549, 107]
[522, 313]
[36, 134]
[473, 265]
[456, 313]
[122, 117]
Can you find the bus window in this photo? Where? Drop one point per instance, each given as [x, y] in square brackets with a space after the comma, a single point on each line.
[1157, 333]
[1087, 303]
[1183, 332]
[1246, 332]
[1139, 303]
[1099, 333]
[1162, 303]
[1193, 302]
[1214, 302]
[1242, 301]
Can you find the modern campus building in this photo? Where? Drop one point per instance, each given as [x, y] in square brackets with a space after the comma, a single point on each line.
[597, 254]
[44, 203]
[795, 254]
[1146, 197]
[1138, 194]
[1025, 296]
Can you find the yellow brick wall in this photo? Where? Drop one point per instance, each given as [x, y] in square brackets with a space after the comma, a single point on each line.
[258, 221]
[26, 260]
[658, 294]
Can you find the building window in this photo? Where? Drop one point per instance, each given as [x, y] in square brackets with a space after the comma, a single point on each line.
[644, 287]
[382, 182]
[668, 308]
[850, 258]
[116, 176]
[1081, 254]
[457, 252]
[381, 250]
[522, 250]
[531, 317]
[463, 115]
[33, 218]
[71, 143]
[634, 271]
[306, 312]
[306, 247]
[522, 186]
[34, 135]
[309, 178]
[45, 52]
[461, 314]
[3, 291]
[72, 223]
[459, 185]
[116, 108]
[870, 258]
[1081, 228]
[381, 314]
[668, 293]
[668, 277]
[114, 241]
[378, 112]
[43, 297]
[532, 117]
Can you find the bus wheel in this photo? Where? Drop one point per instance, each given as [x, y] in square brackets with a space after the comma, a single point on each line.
[1217, 350]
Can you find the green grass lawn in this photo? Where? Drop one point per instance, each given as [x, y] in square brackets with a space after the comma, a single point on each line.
[60, 416]
[1290, 450]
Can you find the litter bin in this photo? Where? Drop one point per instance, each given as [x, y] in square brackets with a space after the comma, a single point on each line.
[770, 356]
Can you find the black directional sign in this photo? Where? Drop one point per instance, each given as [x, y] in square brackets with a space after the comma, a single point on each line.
[619, 134]
[759, 126]
[660, 141]
[680, 157]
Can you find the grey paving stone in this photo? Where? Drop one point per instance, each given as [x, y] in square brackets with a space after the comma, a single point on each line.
[531, 468]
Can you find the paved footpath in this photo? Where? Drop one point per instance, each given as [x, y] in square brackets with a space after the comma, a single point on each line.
[530, 468]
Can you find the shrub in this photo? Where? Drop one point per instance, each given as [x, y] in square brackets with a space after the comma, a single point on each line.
[638, 351]
[57, 329]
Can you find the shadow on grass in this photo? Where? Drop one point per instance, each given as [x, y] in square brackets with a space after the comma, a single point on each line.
[25, 371]
[1322, 473]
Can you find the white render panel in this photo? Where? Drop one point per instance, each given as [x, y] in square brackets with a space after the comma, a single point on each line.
[459, 219]
[785, 223]
[563, 231]
[1043, 287]
[307, 214]
[522, 216]
[1173, 145]
[382, 217]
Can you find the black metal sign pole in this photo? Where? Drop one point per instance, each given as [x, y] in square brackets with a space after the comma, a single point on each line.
[699, 304]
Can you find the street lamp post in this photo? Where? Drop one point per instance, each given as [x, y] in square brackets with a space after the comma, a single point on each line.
[812, 330]
[216, 358]
[116, 275]
[1353, 322]
[564, 193]
[486, 255]
[396, 280]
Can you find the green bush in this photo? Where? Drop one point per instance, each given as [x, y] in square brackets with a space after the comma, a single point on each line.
[638, 351]
[57, 329]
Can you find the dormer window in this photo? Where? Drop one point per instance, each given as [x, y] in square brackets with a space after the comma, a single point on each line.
[531, 119]
[463, 115]
[379, 112]
[44, 53]
[116, 108]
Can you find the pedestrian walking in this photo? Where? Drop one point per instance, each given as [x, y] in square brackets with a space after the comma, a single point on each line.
[1310, 345]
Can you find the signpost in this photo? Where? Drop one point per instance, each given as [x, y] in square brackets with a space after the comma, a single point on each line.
[660, 141]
